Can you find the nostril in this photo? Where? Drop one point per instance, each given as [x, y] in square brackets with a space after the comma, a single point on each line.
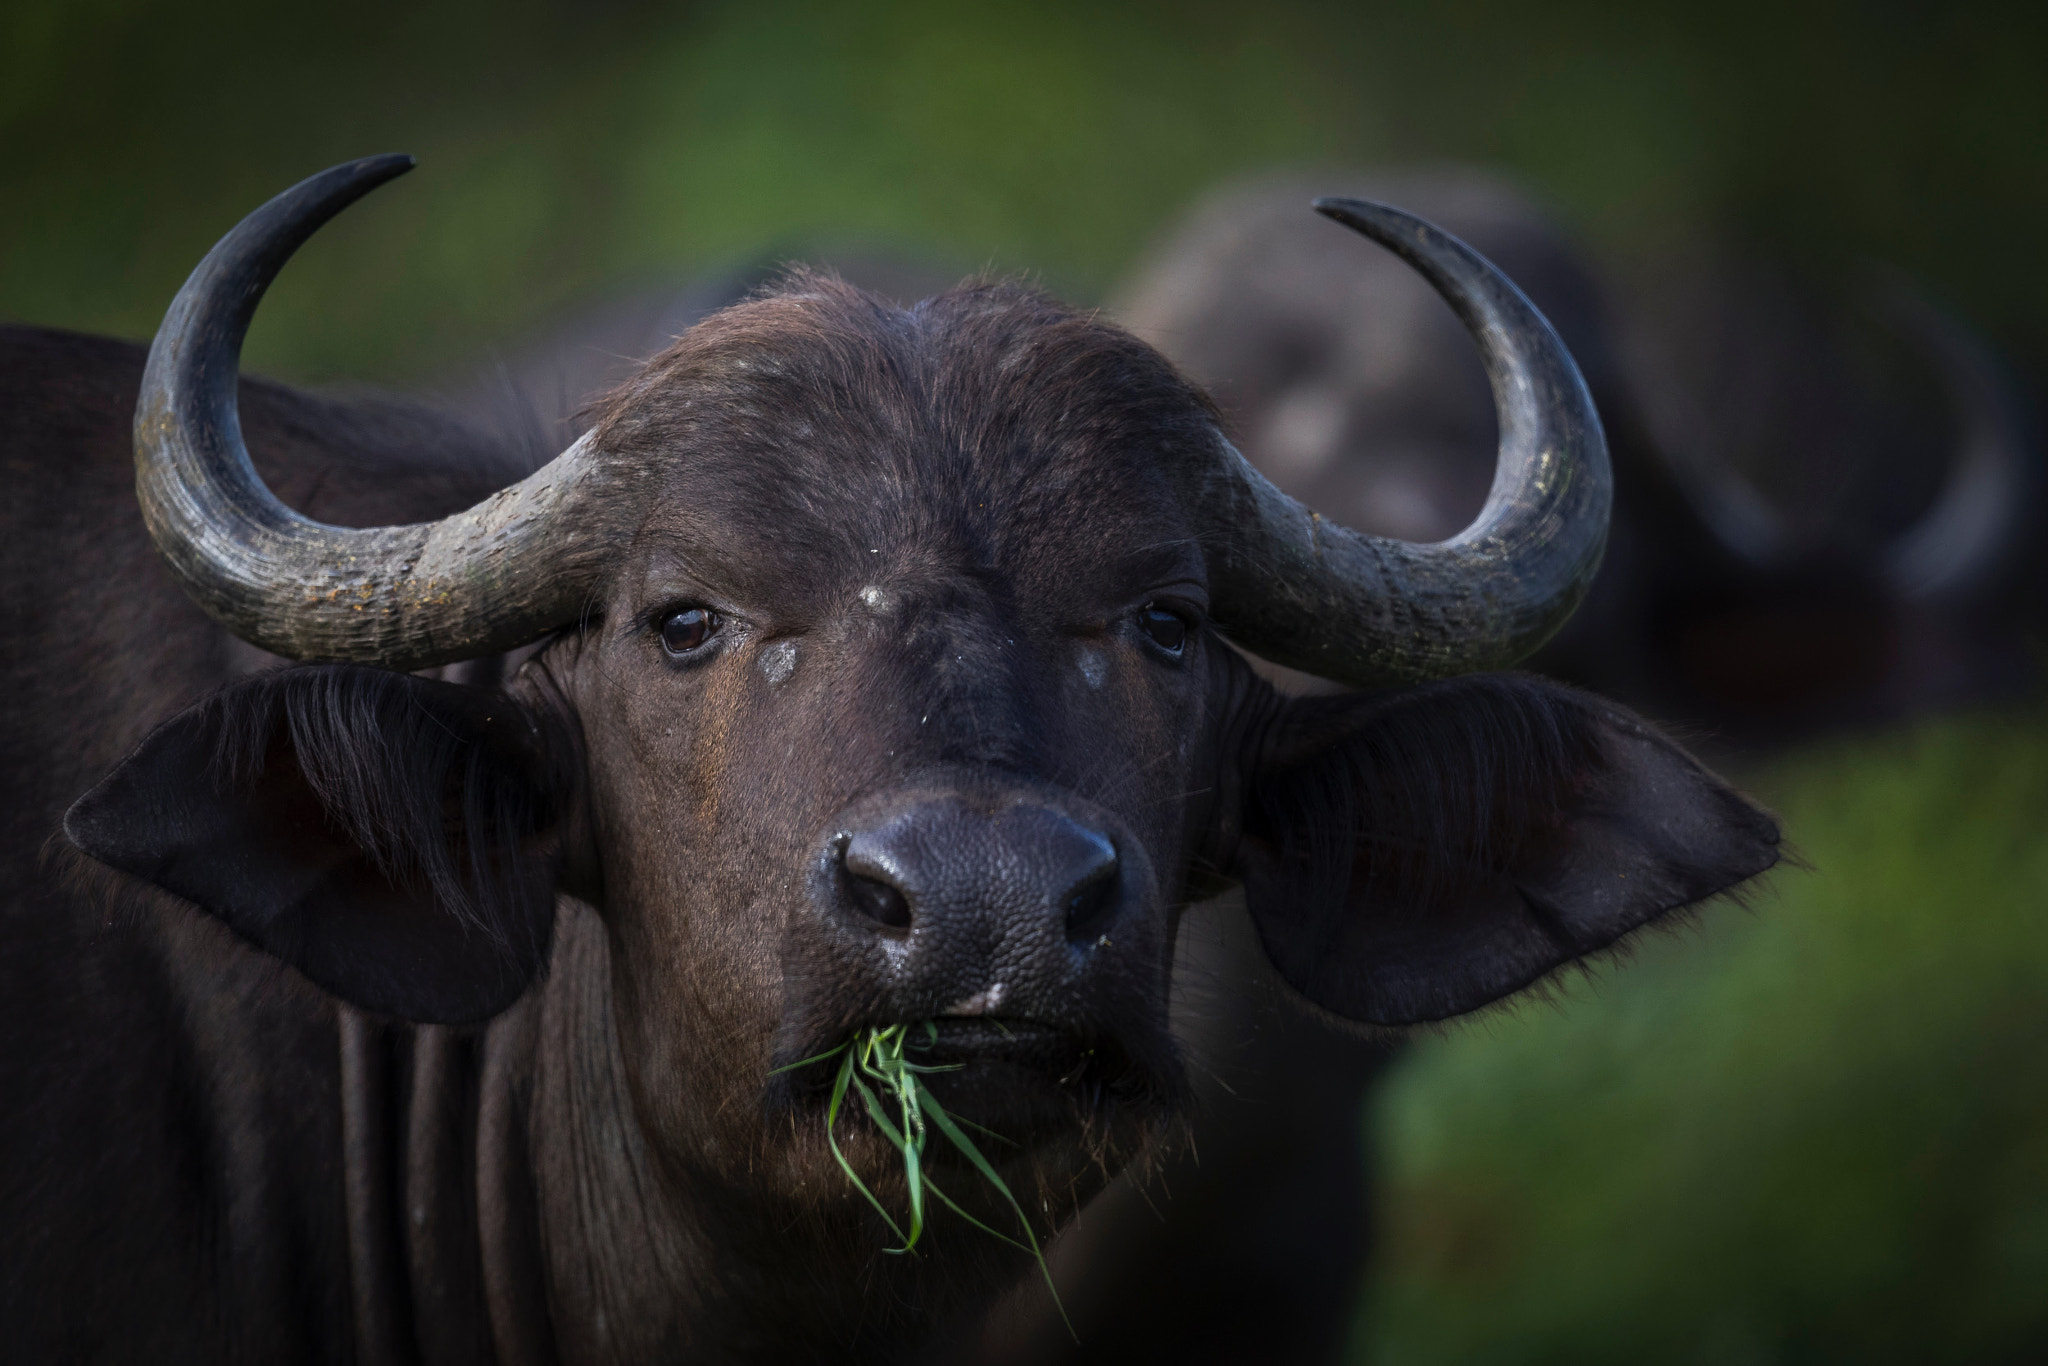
[969, 880]
[873, 881]
[1089, 903]
[878, 901]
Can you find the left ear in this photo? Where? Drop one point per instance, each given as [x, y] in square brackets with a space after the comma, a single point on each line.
[389, 836]
[1415, 855]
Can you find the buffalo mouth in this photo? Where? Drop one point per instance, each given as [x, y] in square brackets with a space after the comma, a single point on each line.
[1026, 1080]
[965, 1041]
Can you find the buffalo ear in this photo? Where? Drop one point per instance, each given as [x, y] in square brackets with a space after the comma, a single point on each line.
[388, 836]
[1416, 855]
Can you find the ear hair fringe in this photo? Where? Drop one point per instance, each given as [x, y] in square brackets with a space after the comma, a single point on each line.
[1553, 990]
[401, 782]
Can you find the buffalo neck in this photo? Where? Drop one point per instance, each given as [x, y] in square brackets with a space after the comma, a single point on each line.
[646, 1260]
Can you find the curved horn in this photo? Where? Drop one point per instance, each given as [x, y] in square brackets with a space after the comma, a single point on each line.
[1959, 542]
[1975, 520]
[1367, 610]
[405, 597]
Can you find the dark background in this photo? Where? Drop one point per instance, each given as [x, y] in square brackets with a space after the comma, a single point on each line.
[1814, 1130]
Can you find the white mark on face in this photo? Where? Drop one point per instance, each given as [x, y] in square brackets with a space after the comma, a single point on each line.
[778, 661]
[1094, 667]
[874, 597]
[982, 1002]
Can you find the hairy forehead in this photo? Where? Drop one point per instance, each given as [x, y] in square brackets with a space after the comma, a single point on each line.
[989, 427]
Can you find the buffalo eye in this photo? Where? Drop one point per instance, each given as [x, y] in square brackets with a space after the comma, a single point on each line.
[1166, 629]
[689, 629]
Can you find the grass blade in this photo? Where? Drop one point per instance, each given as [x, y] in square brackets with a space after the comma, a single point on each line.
[960, 1140]
[874, 1068]
[831, 1122]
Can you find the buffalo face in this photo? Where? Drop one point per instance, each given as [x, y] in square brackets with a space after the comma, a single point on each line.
[898, 707]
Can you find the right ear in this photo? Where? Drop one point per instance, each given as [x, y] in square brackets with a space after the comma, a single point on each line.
[392, 837]
[1413, 855]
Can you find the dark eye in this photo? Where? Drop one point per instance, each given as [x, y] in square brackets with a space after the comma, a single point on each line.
[1168, 630]
[688, 629]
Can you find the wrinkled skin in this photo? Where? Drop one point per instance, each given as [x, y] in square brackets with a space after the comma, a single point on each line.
[956, 640]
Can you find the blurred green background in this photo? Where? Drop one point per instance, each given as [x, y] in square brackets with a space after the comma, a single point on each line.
[568, 146]
[1816, 1130]
[1812, 1131]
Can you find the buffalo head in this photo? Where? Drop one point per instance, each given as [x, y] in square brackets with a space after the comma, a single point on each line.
[883, 672]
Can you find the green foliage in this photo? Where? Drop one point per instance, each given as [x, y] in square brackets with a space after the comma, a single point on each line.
[1813, 1131]
[877, 1067]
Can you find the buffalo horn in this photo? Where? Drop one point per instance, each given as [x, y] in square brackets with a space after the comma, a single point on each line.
[406, 597]
[1958, 544]
[1368, 610]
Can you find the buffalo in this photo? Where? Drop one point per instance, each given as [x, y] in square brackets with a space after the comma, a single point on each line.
[454, 992]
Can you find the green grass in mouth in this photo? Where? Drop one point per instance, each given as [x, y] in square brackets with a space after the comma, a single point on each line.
[876, 1067]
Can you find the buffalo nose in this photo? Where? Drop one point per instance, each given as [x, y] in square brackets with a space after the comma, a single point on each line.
[1021, 865]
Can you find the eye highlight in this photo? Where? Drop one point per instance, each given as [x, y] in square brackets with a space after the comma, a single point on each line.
[1166, 629]
[689, 629]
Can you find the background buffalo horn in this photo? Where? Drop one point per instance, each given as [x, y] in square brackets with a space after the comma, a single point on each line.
[518, 563]
[1953, 551]
[1366, 610]
[1956, 548]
